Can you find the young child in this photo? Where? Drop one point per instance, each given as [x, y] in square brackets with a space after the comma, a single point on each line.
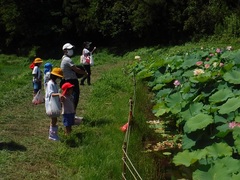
[37, 75]
[51, 91]
[68, 109]
[47, 71]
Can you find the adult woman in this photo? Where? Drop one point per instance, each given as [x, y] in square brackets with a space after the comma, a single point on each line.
[69, 71]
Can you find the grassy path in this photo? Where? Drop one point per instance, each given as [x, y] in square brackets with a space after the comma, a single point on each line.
[25, 151]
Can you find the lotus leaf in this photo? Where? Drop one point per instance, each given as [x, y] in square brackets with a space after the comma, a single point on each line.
[232, 165]
[214, 173]
[232, 77]
[145, 73]
[221, 95]
[187, 142]
[185, 158]
[230, 106]
[193, 110]
[237, 119]
[236, 57]
[219, 150]
[202, 78]
[166, 78]
[160, 109]
[236, 176]
[190, 61]
[163, 93]
[220, 119]
[158, 87]
[173, 99]
[200, 121]
[156, 64]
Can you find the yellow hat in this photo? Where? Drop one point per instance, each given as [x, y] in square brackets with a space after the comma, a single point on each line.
[57, 72]
[37, 60]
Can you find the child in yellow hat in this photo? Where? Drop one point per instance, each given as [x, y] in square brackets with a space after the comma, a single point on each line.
[52, 102]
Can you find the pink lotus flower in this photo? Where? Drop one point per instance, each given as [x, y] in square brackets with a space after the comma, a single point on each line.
[211, 54]
[199, 63]
[218, 50]
[233, 124]
[221, 65]
[207, 59]
[176, 83]
[207, 66]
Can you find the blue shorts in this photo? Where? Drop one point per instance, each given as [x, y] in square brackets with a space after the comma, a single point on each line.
[68, 119]
[37, 86]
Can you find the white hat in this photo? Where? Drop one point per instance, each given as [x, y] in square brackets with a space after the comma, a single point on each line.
[67, 46]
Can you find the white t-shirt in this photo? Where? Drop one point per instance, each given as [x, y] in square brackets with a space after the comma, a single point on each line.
[85, 58]
[66, 66]
[36, 70]
[50, 88]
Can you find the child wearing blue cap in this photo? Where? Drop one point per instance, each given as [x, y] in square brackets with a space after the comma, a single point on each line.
[47, 71]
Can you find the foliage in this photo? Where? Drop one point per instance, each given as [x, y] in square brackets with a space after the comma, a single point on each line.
[199, 90]
[48, 24]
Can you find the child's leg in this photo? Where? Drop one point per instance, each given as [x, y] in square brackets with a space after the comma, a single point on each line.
[53, 130]
[53, 122]
[68, 130]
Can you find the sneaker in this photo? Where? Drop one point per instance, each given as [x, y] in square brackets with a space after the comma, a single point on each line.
[78, 120]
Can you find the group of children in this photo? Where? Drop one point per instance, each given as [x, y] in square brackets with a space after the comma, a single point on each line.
[64, 100]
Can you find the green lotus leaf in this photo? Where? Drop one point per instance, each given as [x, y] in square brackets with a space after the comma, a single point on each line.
[175, 102]
[158, 87]
[219, 150]
[236, 137]
[223, 130]
[185, 158]
[193, 110]
[215, 172]
[187, 143]
[231, 165]
[221, 95]
[188, 73]
[145, 73]
[236, 176]
[157, 64]
[219, 119]
[166, 78]
[235, 56]
[173, 99]
[200, 121]
[163, 93]
[202, 77]
[230, 106]
[232, 77]
[190, 60]
[237, 118]
[159, 109]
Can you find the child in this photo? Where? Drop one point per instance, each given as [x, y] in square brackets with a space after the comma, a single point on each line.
[68, 109]
[85, 60]
[37, 75]
[51, 91]
[47, 71]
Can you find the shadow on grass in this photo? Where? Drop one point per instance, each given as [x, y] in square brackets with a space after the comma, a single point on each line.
[74, 140]
[98, 122]
[12, 146]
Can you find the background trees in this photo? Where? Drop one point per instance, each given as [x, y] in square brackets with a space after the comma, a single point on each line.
[46, 24]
